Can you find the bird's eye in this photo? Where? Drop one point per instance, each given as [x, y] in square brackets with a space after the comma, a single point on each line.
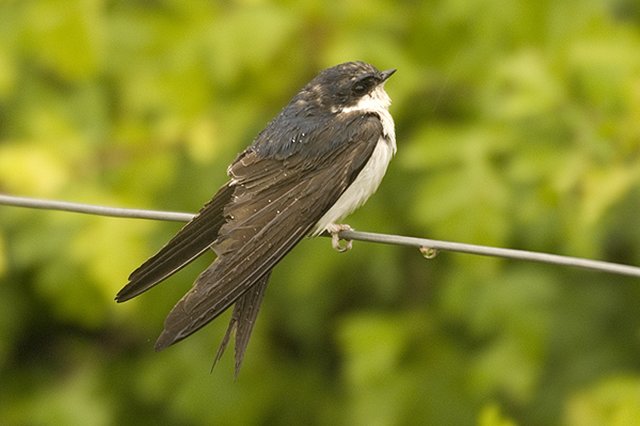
[361, 87]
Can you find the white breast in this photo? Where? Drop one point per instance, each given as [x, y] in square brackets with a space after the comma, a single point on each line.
[369, 178]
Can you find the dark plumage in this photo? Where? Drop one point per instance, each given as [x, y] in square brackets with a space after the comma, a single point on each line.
[296, 169]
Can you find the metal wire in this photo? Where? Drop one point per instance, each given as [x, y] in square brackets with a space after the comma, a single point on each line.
[427, 247]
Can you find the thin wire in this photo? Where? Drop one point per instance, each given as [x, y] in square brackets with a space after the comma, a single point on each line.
[596, 265]
[36, 203]
[427, 247]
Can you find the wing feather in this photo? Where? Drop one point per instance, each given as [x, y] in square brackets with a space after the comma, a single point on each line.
[275, 203]
[189, 243]
[243, 318]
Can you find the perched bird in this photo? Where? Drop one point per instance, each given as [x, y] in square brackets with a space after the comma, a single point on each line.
[318, 160]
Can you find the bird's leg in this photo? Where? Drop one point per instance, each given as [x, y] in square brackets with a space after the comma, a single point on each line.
[334, 229]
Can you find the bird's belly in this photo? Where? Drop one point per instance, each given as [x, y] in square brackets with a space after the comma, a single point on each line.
[362, 187]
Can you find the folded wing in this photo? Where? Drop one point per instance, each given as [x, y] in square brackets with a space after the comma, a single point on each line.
[274, 204]
[189, 243]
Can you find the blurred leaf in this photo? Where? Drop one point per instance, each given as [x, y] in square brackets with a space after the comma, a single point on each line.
[65, 36]
[604, 188]
[492, 416]
[373, 346]
[522, 87]
[78, 400]
[611, 402]
[3, 256]
[31, 170]
[249, 37]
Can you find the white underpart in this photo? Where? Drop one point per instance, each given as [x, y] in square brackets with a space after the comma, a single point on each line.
[369, 178]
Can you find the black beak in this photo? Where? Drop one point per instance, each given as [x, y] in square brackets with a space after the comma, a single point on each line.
[384, 75]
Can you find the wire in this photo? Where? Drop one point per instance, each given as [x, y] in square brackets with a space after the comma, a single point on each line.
[429, 248]
[36, 203]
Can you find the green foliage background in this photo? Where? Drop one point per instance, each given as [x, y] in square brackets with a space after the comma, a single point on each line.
[518, 126]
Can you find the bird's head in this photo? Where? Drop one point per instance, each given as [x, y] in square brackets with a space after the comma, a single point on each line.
[348, 87]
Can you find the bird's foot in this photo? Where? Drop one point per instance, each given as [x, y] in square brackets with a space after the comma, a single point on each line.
[334, 229]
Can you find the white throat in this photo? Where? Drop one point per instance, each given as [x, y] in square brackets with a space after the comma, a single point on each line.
[369, 178]
[376, 102]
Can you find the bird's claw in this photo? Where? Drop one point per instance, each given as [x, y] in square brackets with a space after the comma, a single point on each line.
[334, 230]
